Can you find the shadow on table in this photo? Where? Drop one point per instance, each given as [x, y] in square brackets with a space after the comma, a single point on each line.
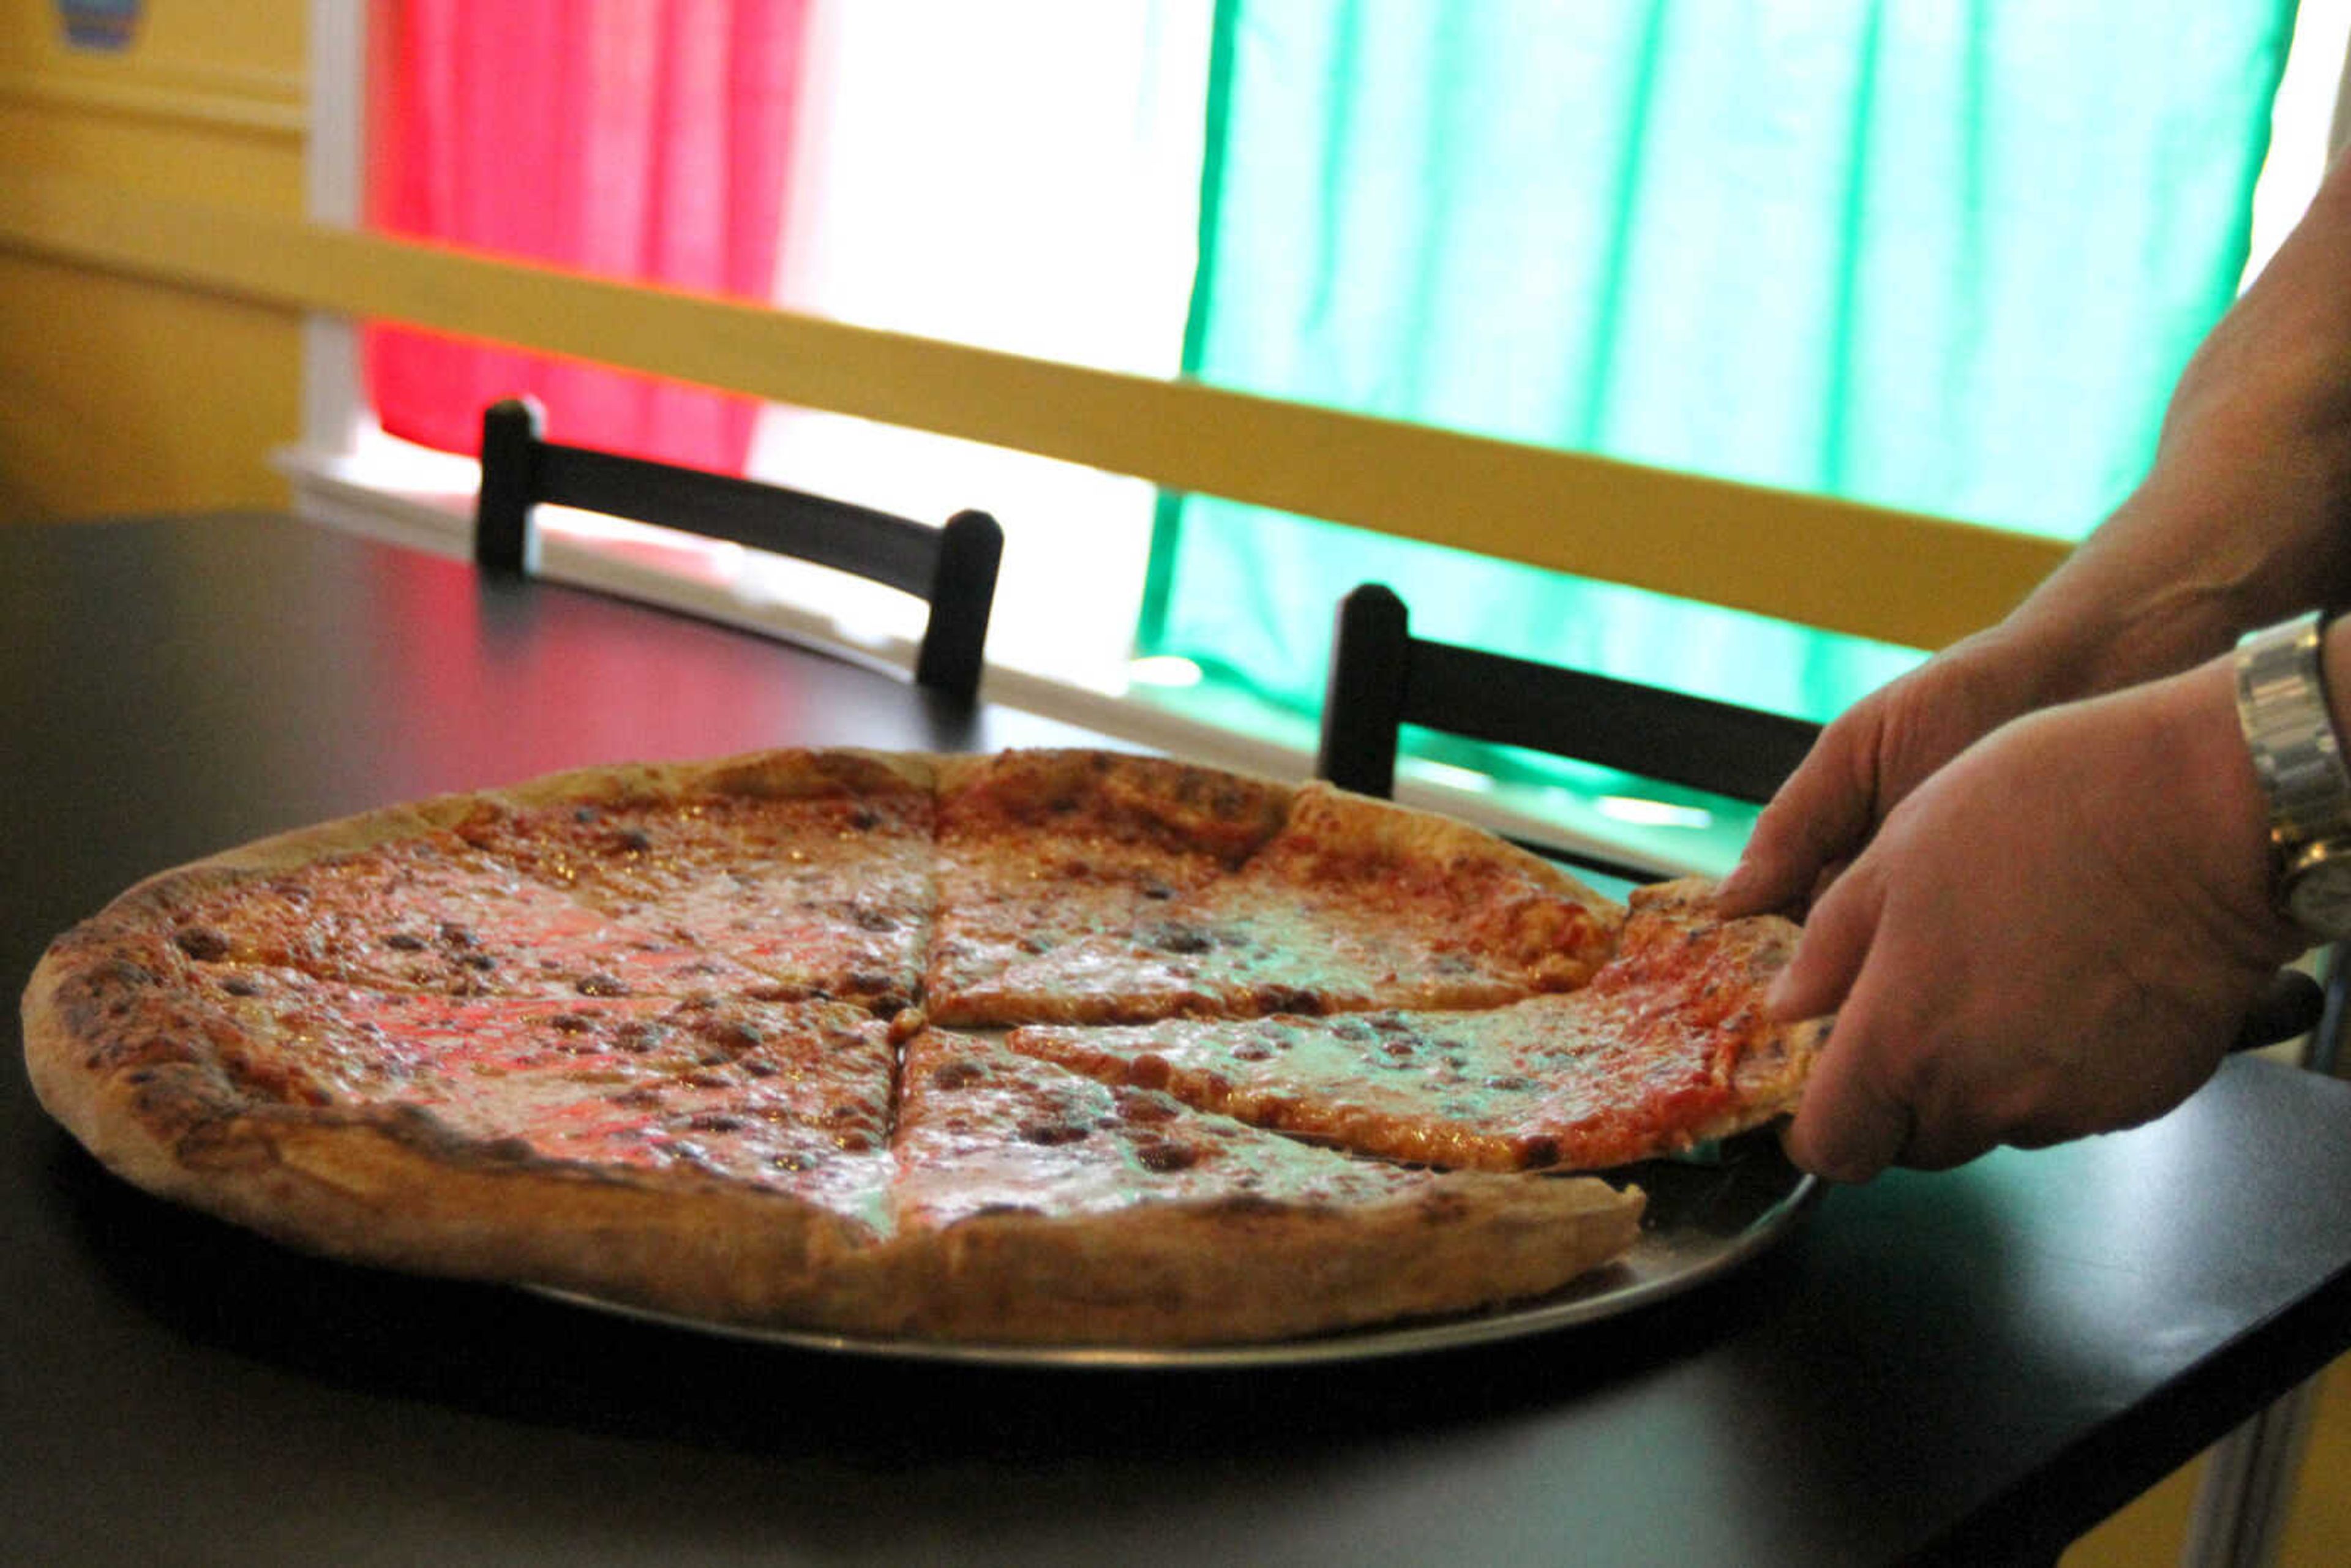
[508, 1354]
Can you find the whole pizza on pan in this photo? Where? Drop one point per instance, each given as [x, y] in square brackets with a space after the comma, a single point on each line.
[1040, 1048]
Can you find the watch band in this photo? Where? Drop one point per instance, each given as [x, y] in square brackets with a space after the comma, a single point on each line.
[2281, 706]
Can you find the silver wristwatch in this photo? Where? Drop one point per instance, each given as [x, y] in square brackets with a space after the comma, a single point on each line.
[2298, 757]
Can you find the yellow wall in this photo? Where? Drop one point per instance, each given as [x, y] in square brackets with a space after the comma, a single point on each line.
[119, 394]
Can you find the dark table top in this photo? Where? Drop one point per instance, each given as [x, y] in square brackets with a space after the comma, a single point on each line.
[1970, 1367]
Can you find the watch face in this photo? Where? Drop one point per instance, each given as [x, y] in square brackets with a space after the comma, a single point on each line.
[2319, 899]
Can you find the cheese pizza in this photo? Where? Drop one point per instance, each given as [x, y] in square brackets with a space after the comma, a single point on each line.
[1046, 1048]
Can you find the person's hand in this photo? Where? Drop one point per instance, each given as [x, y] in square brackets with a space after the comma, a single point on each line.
[2055, 935]
[1869, 761]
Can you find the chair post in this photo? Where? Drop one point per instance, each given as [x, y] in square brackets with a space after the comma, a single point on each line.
[963, 590]
[1363, 705]
[504, 539]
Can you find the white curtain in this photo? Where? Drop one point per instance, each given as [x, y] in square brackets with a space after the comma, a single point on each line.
[1025, 177]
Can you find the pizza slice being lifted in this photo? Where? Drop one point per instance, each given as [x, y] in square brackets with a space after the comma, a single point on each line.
[1667, 1046]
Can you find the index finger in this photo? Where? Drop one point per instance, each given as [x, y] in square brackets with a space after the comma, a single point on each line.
[1818, 817]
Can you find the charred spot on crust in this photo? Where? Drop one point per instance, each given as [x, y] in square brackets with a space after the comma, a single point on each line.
[878, 987]
[956, 1074]
[730, 1033]
[1536, 1152]
[1176, 936]
[1147, 1105]
[1249, 1203]
[600, 985]
[1274, 998]
[1166, 1157]
[1049, 1134]
[202, 943]
[406, 942]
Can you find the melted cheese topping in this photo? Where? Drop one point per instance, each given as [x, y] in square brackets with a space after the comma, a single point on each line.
[788, 1095]
[433, 914]
[831, 897]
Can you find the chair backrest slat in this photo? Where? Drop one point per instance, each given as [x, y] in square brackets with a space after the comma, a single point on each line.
[953, 567]
[1382, 677]
[839, 534]
[1740, 752]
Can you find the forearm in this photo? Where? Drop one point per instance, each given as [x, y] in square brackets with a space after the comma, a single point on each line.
[2246, 513]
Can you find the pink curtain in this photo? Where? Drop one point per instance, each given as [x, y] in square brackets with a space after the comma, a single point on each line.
[644, 140]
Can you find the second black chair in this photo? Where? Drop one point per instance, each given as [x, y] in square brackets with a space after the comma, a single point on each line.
[1382, 677]
[952, 568]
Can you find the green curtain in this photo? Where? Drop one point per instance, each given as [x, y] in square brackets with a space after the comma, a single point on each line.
[1942, 256]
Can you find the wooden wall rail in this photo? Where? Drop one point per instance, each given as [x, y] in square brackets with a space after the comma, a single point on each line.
[1900, 577]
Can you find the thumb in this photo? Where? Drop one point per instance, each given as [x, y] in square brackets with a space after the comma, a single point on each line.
[1829, 954]
[1818, 816]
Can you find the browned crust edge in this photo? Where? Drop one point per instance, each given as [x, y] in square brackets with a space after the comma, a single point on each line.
[1241, 1271]
[395, 1189]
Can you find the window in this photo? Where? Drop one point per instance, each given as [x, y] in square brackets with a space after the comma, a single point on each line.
[1027, 178]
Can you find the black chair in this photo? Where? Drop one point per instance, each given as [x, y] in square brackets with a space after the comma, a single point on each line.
[952, 568]
[1382, 677]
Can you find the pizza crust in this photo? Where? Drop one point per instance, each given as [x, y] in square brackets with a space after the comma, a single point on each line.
[145, 1094]
[1244, 1271]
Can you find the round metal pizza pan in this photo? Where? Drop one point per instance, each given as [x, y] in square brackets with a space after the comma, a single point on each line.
[1705, 1217]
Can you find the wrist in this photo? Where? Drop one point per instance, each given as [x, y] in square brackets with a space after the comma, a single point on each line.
[2284, 689]
[2220, 795]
